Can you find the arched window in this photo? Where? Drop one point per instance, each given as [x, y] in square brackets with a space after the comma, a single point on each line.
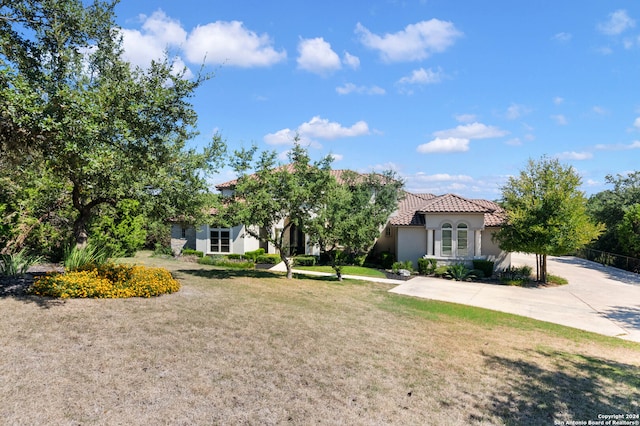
[447, 239]
[462, 238]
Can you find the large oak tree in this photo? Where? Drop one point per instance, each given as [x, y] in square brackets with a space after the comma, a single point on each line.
[103, 130]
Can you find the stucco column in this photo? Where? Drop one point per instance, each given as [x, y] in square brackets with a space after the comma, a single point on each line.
[478, 248]
[429, 242]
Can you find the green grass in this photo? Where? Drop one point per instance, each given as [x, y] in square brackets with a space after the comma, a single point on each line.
[346, 270]
[436, 310]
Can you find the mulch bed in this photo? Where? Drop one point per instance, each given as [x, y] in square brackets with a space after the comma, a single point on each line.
[18, 286]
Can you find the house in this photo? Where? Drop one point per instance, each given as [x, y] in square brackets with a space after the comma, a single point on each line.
[449, 228]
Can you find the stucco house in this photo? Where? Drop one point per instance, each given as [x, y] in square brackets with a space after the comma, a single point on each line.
[449, 228]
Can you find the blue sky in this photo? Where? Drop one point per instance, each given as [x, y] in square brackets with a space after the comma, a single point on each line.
[453, 96]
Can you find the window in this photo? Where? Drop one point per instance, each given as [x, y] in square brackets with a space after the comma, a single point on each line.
[387, 232]
[462, 240]
[447, 237]
[220, 240]
[183, 232]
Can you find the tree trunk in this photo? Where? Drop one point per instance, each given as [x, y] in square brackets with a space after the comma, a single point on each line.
[287, 263]
[80, 230]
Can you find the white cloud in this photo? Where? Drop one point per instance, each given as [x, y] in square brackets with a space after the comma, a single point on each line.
[443, 177]
[573, 155]
[618, 147]
[230, 43]
[444, 145]
[516, 111]
[472, 131]
[324, 129]
[317, 128]
[348, 88]
[618, 22]
[562, 37]
[465, 118]
[636, 123]
[159, 34]
[351, 61]
[599, 110]
[281, 137]
[514, 142]
[416, 42]
[336, 157]
[422, 76]
[387, 166]
[558, 100]
[316, 56]
[560, 119]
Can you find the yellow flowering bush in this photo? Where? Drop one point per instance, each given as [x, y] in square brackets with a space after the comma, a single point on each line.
[107, 281]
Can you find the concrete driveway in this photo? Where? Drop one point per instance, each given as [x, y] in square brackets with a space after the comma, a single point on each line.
[601, 299]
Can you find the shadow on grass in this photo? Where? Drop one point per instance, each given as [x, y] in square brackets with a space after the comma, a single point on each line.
[568, 387]
[17, 288]
[222, 274]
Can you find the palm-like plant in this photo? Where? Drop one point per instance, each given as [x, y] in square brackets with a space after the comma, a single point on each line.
[460, 272]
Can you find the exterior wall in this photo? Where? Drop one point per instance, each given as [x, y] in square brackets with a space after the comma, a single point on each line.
[182, 237]
[493, 251]
[386, 242]
[411, 244]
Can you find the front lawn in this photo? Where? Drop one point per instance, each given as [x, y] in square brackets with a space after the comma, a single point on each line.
[250, 347]
[346, 270]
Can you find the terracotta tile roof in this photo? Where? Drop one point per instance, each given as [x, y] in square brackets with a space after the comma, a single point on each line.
[337, 174]
[413, 207]
[408, 210]
[451, 203]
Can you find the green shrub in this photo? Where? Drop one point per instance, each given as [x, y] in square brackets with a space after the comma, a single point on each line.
[516, 273]
[234, 256]
[224, 262]
[253, 255]
[270, 259]
[162, 250]
[486, 266]
[386, 260]
[107, 281]
[427, 266]
[191, 252]
[120, 229]
[304, 261]
[441, 271]
[459, 272]
[478, 273]
[76, 258]
[209, 260]
[408, 265]
[15, 264]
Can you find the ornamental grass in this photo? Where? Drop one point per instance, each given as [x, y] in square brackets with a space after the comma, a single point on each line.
[106, 281]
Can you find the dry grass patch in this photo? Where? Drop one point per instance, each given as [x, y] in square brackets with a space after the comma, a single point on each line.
[250, 347]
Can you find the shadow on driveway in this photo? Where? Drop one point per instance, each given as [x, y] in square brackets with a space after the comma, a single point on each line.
[610, 271]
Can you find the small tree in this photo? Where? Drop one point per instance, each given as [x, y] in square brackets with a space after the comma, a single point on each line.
[354, 212]
[629, 231]
[269, 196]
[546, 213]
